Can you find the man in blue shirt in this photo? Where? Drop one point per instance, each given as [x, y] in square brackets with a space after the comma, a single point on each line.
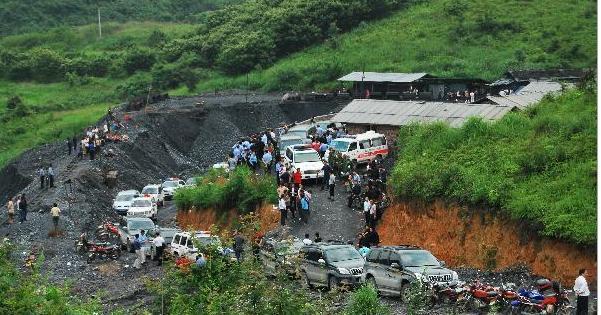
[322, 149]
[319, 131]
[267, 160]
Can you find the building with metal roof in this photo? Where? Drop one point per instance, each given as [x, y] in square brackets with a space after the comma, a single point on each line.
[400, 113]
[408, 86]
[527, 95]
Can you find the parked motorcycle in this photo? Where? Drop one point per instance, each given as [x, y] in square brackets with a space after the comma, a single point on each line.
[548, 298]
[103, 251]
[480, 296]
[446, 293]
[105, 230]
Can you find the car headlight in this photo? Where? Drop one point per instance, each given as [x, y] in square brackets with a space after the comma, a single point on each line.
[455, 275]
[344, 271]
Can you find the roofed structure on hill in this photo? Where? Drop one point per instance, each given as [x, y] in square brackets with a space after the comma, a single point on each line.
[408, 86]
[527, 95]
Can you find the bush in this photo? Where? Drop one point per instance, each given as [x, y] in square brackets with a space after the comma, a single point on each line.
[136, 59]
[47, 65]
[137, 85]
[240, 189]
[365, 301]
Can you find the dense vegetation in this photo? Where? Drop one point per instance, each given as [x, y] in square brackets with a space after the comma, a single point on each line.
[539, 165]
[240, 189]
[451, 38]
[19, 16]
[30, 293]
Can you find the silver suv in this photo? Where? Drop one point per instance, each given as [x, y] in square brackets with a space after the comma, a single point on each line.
[390, 269]
[331, 265]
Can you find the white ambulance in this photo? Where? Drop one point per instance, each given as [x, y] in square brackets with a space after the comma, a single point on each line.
[362, 148]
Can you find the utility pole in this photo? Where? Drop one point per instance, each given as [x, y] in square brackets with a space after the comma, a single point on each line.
[99, 24]
[247, 87]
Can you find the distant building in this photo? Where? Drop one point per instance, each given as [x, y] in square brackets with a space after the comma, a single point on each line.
[409, 86]
[386, 116]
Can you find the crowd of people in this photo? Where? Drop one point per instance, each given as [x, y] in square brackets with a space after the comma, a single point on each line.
[461, 97]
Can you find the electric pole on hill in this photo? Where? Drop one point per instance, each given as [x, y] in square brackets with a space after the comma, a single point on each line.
[99, 25]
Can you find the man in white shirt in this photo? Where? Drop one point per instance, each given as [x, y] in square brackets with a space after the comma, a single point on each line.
[582, 292]
[159, 243]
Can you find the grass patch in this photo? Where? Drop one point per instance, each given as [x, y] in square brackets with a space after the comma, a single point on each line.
[240, 189]
[539, 165]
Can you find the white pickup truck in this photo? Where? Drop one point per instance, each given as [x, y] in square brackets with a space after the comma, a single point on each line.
[182, 244]
[133, 226]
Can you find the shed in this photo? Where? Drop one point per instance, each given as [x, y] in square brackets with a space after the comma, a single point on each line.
[526, 95]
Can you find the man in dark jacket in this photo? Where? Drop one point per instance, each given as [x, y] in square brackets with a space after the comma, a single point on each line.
[238, 245]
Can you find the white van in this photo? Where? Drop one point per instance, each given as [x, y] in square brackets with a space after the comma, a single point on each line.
[362, 148]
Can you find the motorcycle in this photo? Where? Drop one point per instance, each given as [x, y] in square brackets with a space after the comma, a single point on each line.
[105, 230]
[103, 250]
[446, 293]
[549, 298]
[480, 296]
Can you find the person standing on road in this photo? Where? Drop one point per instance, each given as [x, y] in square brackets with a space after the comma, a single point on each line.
[55, 211]
[304, 203]
[232, 162]
[373, 213]
[366, 208]
[137, 247]
[159, 242]
[69, 146]
[10, 206]
[297, 177]
[51, 176]
[283, 210]
[307, 240]
[327, 170]
[143, 239]
[582, 292]
[74, 140]
[332, 185]
[267, 158]
[42, 175]
[317, 238]
[238, 246]
[22, 205]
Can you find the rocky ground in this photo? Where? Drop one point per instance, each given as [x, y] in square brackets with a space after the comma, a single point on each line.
[174, 137]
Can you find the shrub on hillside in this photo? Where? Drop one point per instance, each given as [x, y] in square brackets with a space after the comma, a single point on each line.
[136, 59]
[365, 301]
[137, 85]
[240, 189]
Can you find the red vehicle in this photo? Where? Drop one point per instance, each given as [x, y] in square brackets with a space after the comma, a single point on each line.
[104, 231]
[103, 250]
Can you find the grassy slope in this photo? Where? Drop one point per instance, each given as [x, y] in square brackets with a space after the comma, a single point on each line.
[538, 165]
[73, 107]
[430, 38]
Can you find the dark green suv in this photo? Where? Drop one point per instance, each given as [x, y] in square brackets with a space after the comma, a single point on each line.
[331, 265]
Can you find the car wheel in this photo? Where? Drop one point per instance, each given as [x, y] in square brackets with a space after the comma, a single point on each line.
[333, 282]
[372, 281]
[405, 293]
[307, 281]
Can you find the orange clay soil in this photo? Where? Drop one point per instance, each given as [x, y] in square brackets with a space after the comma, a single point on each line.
[205, 218]
[481, 239]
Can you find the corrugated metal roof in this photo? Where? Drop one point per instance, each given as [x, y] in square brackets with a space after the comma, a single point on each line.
[528, 95]
[399, 113]
[382, 77]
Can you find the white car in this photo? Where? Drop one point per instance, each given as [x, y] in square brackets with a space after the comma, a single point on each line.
[170, 186]
[307, 159]
[191, 182]
[123, 200]
[182, 244]
[302, 131]
[142, 207]
[361, 148]
[288, 140]
[155, 192]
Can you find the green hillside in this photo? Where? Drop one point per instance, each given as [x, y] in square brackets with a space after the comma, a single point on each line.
[21, 16]
[450, 38]
[539, 165]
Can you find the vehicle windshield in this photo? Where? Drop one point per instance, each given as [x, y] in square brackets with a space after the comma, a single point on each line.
[298, 132]
[208, 240]
[342, 254]
[306, 156]
[341, 146]
[284, 143]
[124, 198]
[192, 181]
[170, 184]
[418, 258]
[140, 225]
[150, 190]
[141, 203]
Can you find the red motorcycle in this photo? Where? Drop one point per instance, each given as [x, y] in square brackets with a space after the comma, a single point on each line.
[103, 250]
[549, 298]
[105, 230]
[480, 296]
[453, 292]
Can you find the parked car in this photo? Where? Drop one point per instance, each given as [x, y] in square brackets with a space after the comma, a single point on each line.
[306, 158]
[191, 182]
[155, 192]
[361, 148]
[133, 226]
[182, 244]
[301, 131]
[331, 265]
[142, 207]
[282, 256]
[123, 200]
[392, 268]
[170, 186]
[288, 140]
